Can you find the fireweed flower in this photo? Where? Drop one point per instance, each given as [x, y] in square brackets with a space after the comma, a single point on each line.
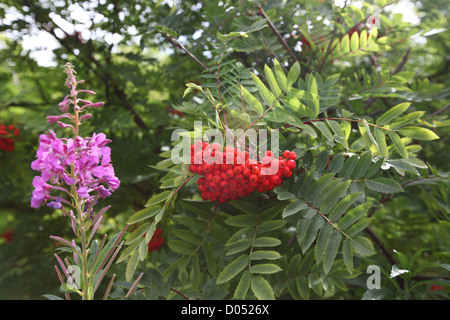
[84, 163]
[74, 174]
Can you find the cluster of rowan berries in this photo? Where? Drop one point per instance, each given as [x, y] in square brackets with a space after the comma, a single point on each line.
[231, 175]
[6, 134]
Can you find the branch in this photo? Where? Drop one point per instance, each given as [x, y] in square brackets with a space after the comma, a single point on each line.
[370, 101]
[277, 33]
[439, 111]
[378, 241]
[177, 44]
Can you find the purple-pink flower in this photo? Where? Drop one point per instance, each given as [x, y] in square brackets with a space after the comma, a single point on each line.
[85, 163]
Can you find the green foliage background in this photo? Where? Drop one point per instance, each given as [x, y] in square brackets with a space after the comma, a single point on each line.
[341, 75]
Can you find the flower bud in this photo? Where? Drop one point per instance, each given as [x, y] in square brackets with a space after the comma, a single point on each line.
[63, 125]
[94, 105]
[53, 119]
[87, 91]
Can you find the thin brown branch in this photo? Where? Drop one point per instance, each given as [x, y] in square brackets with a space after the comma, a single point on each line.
[402, 63]
[439, 111]
[278, 35]
[178, 292]
[177, 44]
[381, 245]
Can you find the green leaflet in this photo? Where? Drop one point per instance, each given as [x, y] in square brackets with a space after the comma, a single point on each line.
[294, 207]
[399, 145]
[331, 250]
[210, 260]
[280, 75]
[265, 93]
[265, 268]
[233, 269]
[144, 214]
[138, 233]
[293, 74]
[131, 265]
[322, 240]
[243, 286]
[383, 185]
[347, 253]
[418, 133]
[309, 227]
[380, 138]
[243, 220]
[362, 246]
[262, 288]
[392, 113]
[265, 254]
[252, 101]
[160, 197]
[324, 129]
[270, 76]
[353, 215]
[181, 247]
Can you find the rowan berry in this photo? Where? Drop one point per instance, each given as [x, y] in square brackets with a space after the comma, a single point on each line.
[291, 164]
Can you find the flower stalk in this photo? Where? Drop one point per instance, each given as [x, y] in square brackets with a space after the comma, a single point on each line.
[79, 170]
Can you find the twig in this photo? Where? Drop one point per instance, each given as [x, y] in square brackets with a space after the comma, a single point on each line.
[371, 100]
[177, 44]
[378, 241]
[172, 289]
[439, 111]
[277, 33]
[402, 63]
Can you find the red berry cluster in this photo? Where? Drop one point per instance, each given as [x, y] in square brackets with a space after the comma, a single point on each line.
[230, 175]
[6, 134]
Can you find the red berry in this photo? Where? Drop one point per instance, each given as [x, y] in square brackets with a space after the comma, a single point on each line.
[287, 172]
[274, 178]
[207, 168]
[224, 184]
[286, 154]
[238, 169]
[255, 169]
[246, 172]
[291, 164]
[253, 178]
